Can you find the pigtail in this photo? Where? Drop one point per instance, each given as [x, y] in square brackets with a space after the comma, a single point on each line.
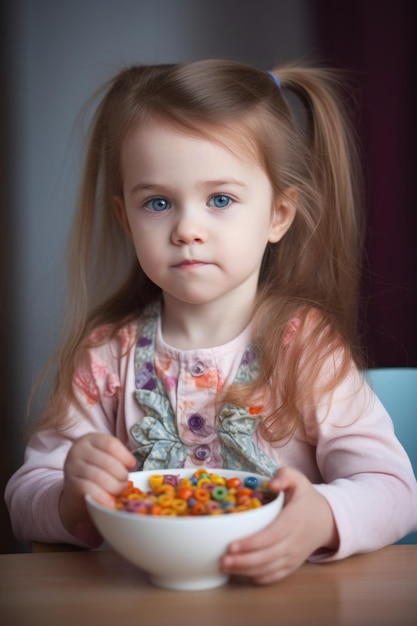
[306, 320]
[334, 214]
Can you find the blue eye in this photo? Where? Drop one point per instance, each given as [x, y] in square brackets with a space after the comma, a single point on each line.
[157, 204]
[220, 201]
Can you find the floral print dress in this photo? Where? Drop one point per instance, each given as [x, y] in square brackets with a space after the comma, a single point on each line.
[181, 426]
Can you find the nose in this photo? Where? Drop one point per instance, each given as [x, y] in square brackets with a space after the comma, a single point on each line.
[188, 229]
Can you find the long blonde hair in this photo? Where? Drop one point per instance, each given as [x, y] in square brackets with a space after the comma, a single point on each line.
[314, 268]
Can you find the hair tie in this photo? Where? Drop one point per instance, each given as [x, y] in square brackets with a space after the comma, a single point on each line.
[276, 79]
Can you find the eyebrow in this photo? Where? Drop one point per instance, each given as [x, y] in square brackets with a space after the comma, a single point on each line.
[207, 183]
[225, 183]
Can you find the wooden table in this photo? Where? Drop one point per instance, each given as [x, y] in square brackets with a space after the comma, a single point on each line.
[101, 589]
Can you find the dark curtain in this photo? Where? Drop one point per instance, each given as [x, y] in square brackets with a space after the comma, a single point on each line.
[376, 43]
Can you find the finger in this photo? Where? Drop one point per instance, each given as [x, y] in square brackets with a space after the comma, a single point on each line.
[100, 450]
[254, 564]
[108, 474]
[97, 468]
[274, 534]
[91, 464]
[106, 462]
[285, 479]
[272, 577]
[112, 446]
[263, 567]
[275, 570]
[98, 494]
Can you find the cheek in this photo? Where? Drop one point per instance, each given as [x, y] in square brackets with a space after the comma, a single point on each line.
[147, 250]
[147, 254]
[250, 236]
[243, 251]
[153, 257]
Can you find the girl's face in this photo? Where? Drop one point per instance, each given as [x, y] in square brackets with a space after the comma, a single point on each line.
[199, 216]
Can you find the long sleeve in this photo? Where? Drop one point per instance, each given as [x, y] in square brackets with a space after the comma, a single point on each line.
[368, 479]
[32, 493]
[348, 449]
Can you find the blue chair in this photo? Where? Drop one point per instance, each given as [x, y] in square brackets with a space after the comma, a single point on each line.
[397, 390]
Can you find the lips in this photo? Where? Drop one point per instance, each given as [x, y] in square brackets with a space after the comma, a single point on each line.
[190, 263]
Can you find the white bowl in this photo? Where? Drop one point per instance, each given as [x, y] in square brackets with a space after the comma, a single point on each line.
[180, 552]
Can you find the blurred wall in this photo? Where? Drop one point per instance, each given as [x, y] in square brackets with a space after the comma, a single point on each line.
[56, 54]
[374, 42]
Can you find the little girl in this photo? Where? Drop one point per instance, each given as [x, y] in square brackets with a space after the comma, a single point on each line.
[214, 276]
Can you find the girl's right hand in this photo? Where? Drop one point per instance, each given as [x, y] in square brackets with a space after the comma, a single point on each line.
[97, 464]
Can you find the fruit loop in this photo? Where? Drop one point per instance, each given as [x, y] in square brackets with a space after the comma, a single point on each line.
[200, 494]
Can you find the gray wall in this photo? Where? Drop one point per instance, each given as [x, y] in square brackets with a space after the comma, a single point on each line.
[59, 53]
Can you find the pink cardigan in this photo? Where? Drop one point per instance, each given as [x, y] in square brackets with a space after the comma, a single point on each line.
[352, 455]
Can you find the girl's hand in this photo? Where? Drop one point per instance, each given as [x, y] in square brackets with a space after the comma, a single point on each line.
[305, 524]
[97, 464]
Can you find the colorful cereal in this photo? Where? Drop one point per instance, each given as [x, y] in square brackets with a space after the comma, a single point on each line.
[201, 494]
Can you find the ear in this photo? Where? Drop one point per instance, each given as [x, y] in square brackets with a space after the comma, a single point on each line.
[120, 212]
[283, 213]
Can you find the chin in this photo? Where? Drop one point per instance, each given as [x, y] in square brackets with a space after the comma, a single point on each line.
[189, 297]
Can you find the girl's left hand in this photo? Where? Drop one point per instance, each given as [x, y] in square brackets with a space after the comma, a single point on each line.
[304, 525]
